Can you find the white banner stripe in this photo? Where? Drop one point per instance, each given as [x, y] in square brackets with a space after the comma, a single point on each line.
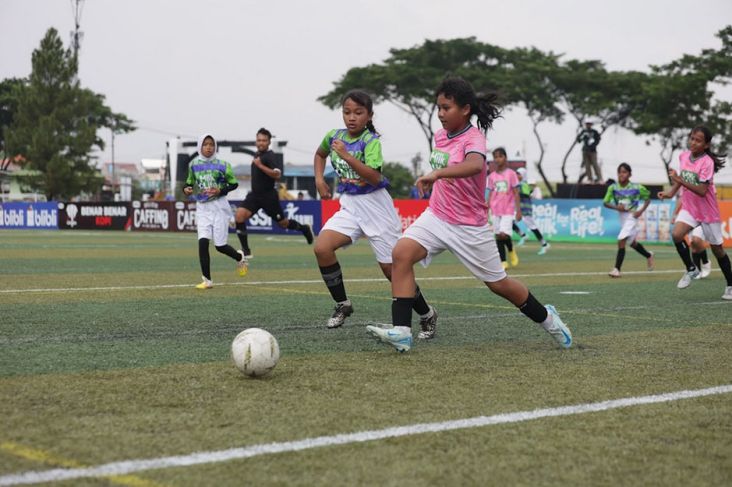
[308, 281]
[132, 466]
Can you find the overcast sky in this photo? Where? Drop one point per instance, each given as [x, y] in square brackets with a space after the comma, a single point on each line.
[182, 67]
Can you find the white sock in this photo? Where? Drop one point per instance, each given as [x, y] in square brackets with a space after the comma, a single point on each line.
[548, 323]
[404, 329]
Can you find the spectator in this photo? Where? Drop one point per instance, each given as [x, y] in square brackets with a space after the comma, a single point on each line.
[589, 138]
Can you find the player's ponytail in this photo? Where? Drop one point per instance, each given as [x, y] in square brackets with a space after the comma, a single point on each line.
[719, 159]
[484, 106]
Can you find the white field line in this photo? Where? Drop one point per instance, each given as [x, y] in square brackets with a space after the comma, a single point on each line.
[199, 458]
[309, 281]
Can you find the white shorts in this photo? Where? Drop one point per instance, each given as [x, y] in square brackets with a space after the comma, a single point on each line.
[698, 233]
[712, 231]
[529, 222]
[370, 215]
[628, 227]
[212, 220]
[502, 224]
[474, 246]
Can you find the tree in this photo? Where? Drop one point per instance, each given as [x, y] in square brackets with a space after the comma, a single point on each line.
[8, 106]
[588, 90]
[678, 96]
[400, 179]
[408, 78]
[56, 123]
[530, 84]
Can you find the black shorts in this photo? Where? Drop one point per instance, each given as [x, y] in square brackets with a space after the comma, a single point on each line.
[269, 202]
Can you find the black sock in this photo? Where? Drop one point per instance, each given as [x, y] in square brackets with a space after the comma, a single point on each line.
[619, 258]
[517, 229]
[641, 250]
[204, 258]
[704, 257]
[724, 266]
[509, 244]
[241, 232]
[401, 311]
[420, 304]
[697, 258]
[534, 310]
[294, 225]
[230, 251]
[333, 278]
[683, 249]
[501, 250]
[539, 236]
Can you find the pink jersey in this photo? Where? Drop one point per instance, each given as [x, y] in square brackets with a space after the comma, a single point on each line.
[502, 197]
[459, 201]
[702, 208]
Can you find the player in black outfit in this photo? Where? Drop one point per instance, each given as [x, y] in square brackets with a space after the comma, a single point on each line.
[265, 174]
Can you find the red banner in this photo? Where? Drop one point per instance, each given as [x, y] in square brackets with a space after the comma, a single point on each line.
[408, 210]
[725, 209]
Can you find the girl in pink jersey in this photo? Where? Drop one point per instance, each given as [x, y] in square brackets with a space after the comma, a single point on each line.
[505, 204]
[457, 218]
[699, 204]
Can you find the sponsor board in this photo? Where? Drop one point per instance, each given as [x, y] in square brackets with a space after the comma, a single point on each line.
[306, 212]
[22, 215]
[94, 216]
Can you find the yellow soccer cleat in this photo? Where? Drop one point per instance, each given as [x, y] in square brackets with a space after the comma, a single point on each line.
[504, 264]
[513, 258]
[206, 284]
[242, 266]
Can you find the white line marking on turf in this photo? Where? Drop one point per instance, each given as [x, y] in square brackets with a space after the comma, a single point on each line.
[575, 292]
[131, 466]
[308, 281]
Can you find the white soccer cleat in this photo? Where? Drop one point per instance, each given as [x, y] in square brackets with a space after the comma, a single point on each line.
[558, 330]
[428, 326]
[705, 270]
[615, 272]
[340, 313]
[727, 293]
[543, 249]
[651, 262]
[397, 337]
[522, 241]
[686, 279]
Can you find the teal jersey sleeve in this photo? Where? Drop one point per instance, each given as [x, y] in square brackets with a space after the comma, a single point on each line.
[230, 178]
[610, 194]
[190, 178]
[325, 144]
[645, 195]
[372, 153]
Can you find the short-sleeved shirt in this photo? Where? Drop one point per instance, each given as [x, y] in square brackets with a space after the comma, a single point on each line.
[261, 182]
[366, 148]
[525, 198]
[501, 184]
[459, 201]
[702, 208]
[209, 173]
[631, 196]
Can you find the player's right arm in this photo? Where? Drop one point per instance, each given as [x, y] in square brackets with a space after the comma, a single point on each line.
[319, 168]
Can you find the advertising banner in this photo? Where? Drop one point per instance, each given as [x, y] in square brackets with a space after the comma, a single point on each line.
[408, 210]
[725, 208]
[94, 216]
[184, 217]
[589, 221]
[154, 216]
[303, 211]
[21, 215]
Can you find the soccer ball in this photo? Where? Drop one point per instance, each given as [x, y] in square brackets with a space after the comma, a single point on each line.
[255, 352]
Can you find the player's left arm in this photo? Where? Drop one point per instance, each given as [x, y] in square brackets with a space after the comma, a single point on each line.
[517, 203]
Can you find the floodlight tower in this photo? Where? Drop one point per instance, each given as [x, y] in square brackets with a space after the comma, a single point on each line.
[77, 35]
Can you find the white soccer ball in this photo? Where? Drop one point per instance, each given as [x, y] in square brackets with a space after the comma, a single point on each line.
[255, 352]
